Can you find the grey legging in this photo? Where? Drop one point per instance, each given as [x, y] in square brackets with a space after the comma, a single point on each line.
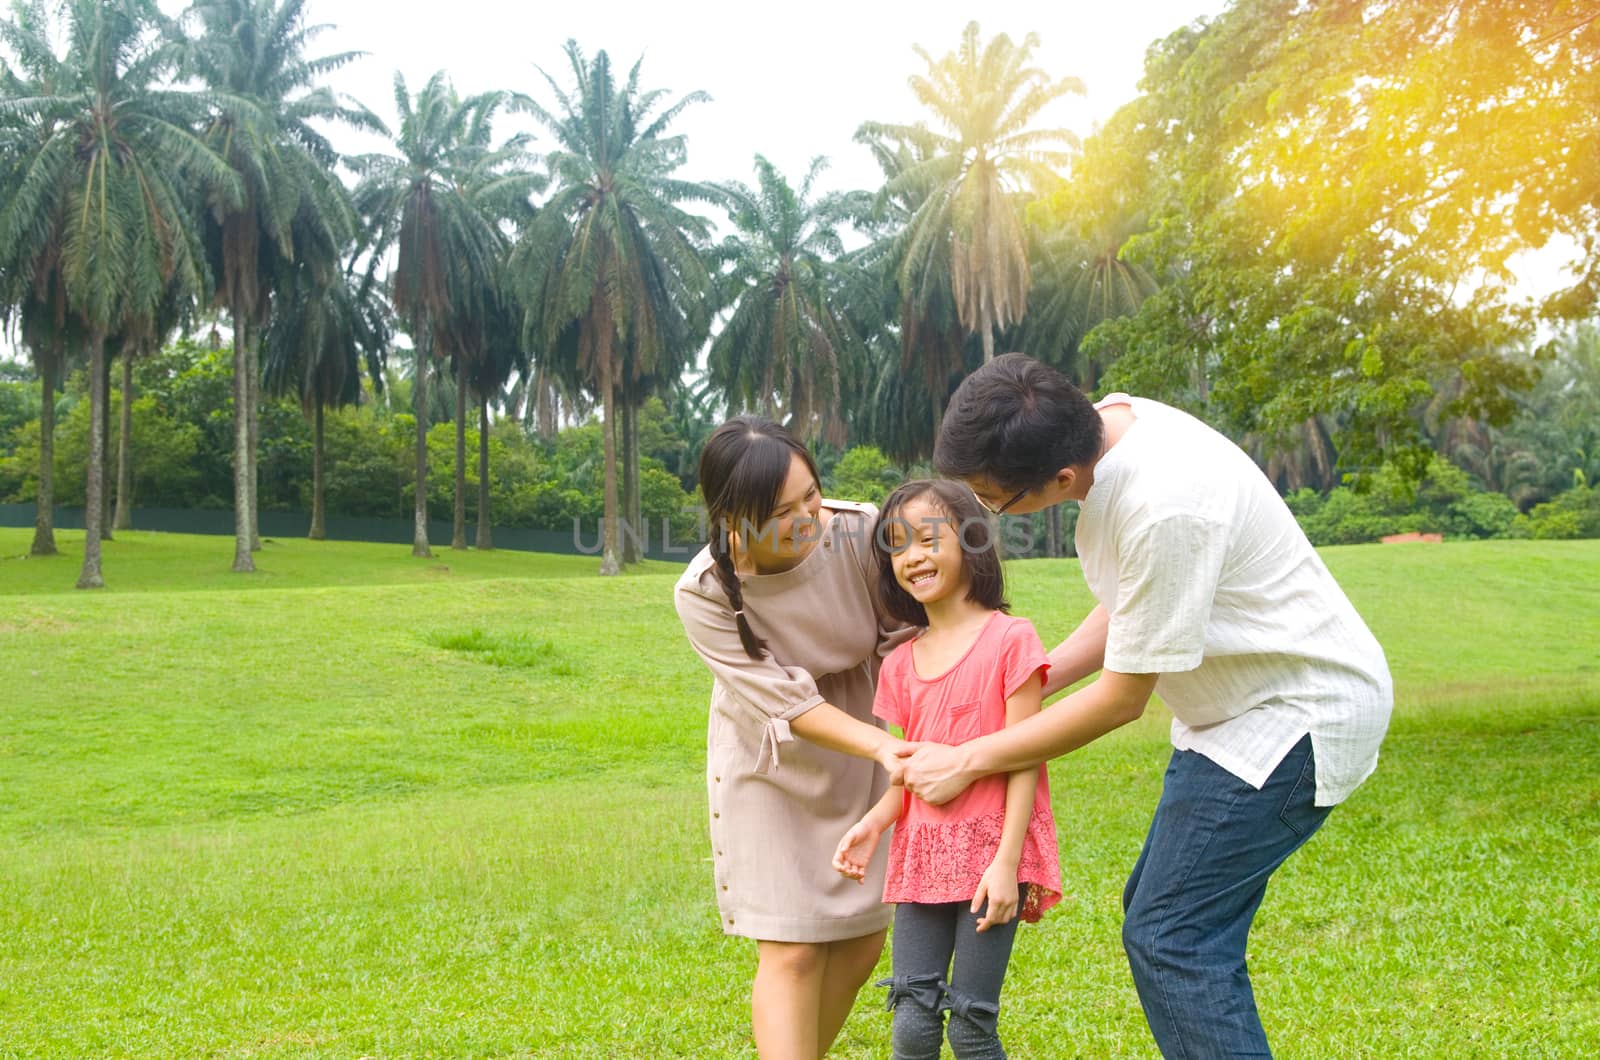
[942, 964]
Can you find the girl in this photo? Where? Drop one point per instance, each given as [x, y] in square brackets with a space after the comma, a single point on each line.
[964, 871]
[782, 607]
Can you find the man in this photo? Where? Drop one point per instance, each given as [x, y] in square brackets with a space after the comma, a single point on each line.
[1210, 594]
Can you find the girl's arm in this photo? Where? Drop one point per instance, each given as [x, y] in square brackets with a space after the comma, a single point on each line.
[999, 884]
[854, 852]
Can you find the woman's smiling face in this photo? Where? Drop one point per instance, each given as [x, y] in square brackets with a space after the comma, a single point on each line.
[793, 527]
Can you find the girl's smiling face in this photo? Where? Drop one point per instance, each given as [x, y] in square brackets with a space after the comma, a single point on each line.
[925, 550]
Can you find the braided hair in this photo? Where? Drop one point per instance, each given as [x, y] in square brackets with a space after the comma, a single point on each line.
[743, 468]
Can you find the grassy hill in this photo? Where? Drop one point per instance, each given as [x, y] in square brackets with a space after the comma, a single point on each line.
[364, 805]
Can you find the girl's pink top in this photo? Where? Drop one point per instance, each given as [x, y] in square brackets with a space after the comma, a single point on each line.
[939, 853]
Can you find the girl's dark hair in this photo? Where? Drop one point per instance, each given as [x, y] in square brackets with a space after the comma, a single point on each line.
[742, 471]
[986, 583]
[1016, 422]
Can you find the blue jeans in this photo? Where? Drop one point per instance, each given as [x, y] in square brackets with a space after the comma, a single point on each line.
[1213, 843]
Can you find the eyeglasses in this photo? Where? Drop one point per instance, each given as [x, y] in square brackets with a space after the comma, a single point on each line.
[1021, 493]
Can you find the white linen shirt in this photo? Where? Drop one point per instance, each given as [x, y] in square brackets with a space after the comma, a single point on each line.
[1208, 581]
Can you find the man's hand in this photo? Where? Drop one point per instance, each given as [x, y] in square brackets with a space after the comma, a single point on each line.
[933, 772]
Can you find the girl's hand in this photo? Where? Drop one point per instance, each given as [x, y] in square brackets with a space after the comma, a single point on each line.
[999, 888]
[854, 853]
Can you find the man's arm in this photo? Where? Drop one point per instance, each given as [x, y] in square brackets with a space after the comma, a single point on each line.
[1081, 654]
[936, 773]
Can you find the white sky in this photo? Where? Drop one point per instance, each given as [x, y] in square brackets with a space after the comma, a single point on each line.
[787, 82]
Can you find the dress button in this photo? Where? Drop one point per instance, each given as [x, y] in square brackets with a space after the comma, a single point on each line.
[716, 814]
[719, 780]
[730, 920]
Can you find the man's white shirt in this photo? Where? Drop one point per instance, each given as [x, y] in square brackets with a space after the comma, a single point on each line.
[1208, 581]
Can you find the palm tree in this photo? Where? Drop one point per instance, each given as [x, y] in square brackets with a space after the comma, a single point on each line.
[140, 337]
[446, 246]
[496, 182]
[251, 53]
[1080, 280]
[785, 340]
[985, 97]
[502, 356]
[911, 298]
[109, 186]
[38, 301]
[326, 326]
[611, 270]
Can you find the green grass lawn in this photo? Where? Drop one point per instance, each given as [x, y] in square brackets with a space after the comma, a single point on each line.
[364, 805]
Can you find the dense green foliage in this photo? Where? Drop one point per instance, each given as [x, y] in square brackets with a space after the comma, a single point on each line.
[181, 425]
[1304, 229]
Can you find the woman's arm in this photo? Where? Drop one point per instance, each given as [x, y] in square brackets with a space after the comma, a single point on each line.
[999, 884]
[827, 726]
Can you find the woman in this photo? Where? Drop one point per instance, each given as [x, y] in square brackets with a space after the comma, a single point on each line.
[781, 605]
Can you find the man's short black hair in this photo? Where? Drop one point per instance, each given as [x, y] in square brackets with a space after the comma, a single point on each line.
[1017, 422]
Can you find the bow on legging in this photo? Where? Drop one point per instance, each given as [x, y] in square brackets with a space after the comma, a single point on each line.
[926, 990]
[984, 1015]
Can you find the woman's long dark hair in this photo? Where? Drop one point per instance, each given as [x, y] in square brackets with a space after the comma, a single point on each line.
[742, 471]
[986, 584]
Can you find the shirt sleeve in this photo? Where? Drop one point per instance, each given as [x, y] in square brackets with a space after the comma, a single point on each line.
[781, 692]
[1168, 573]
[888, 701]
[1022, 656]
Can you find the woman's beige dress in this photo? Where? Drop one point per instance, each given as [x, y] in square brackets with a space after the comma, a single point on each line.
[779, 804]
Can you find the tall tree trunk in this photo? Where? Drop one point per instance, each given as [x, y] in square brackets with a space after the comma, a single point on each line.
[44, 514]
[419, 398]
[549, 425]
[94, 500]
[630, 479]
[987, 326]
[1054, 530]
[105, 448]
[609, 564]
[253, 380]
[485, 539]
[636, 501]
[124, 518]
[319, 503]
[458, 530]
[243, 563]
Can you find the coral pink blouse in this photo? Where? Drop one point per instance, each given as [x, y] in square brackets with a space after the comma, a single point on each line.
[939, 853]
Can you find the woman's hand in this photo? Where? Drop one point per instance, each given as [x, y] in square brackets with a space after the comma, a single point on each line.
[854, 852]
[999, 888]
[891, 755]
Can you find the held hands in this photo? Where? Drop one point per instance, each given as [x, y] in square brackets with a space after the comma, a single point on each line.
[999, 888]
[891, 755]
[932, 772]
[854, 852]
